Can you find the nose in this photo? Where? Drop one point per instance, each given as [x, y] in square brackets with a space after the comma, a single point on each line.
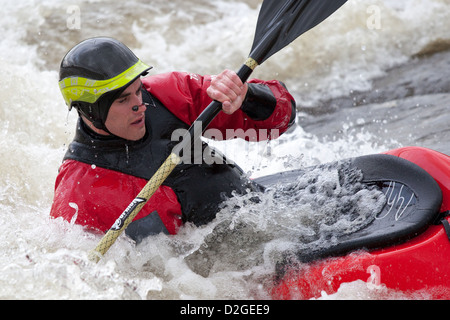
[136, 107]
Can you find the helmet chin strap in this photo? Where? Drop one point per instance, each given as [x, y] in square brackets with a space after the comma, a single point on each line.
[98, 124]
[102, 126]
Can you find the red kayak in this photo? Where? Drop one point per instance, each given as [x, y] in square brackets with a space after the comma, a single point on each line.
[406, 248]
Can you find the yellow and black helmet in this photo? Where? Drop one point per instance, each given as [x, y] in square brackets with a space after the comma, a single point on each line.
[94, 73]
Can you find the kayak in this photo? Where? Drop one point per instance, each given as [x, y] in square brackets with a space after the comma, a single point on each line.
[405, 248]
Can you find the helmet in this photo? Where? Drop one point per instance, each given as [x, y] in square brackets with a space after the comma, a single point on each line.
[94, 73]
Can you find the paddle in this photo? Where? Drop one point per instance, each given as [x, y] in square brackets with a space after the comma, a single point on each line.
[279, 23]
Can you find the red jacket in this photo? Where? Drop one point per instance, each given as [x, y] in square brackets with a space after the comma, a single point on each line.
[94, 197]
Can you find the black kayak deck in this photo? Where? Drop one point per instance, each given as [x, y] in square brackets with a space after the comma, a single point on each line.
[413, 200]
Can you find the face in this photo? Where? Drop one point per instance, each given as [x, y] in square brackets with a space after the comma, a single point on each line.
[122, 120]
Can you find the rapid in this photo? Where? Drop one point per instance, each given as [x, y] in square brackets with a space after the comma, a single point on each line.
[372, 77]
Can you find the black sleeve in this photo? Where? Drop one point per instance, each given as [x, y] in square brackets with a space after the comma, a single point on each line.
[260, 102]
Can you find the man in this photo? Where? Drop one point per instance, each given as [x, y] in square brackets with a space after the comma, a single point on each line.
[125, 132]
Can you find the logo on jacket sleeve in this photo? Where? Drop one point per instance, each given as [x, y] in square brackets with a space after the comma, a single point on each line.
[118, 225]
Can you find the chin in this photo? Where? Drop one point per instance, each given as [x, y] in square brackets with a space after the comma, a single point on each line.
[137, 136]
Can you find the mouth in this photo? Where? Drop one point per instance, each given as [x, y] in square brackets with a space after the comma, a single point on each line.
[139, 121]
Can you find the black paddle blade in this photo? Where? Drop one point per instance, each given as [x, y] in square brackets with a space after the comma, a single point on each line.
[281, 21]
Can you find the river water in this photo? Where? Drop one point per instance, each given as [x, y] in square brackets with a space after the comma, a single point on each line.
[374, 76]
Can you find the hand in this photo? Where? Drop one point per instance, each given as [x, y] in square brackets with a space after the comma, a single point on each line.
[228, 89]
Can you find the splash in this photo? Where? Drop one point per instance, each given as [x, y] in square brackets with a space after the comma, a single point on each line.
[313, 211]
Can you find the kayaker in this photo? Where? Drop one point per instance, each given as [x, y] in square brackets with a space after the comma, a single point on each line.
[125, 131]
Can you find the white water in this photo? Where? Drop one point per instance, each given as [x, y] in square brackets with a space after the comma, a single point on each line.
[47, 259]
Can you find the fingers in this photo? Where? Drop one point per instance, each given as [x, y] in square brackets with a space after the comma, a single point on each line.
[228, 89]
